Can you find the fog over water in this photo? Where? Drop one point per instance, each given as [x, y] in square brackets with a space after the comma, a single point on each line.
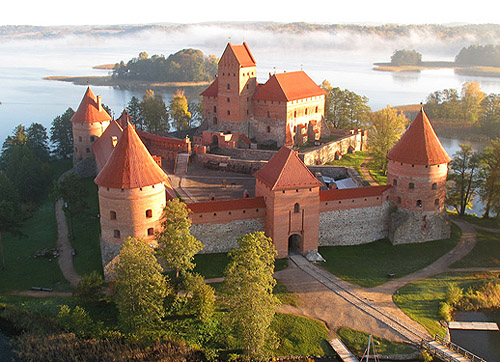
[345, 59]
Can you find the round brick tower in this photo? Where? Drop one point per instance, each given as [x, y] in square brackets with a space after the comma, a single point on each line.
[417, 170]
[132, 195]
[88, 123]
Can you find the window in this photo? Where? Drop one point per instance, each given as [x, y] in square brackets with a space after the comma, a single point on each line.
[151, 231]
[149, 213]
[306, 111]
[436, 202]
[79, 138]
[92, 138]
[411, 186]
[419, 203]
[87, 150]
[247, 86]
[228, 99]
[316, 110]
[268, 129]
[394, 182]
[399, 200]
[296, 207]
[434, 186]
[215, 109]
[116, 233]
[294, 114]
[112, 215]
[228, 112]
[228, 86]
[268, 114]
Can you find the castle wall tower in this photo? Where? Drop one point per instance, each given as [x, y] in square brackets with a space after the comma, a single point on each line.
[291, 194]
[88, 123]
[131, 195]
[417, 171]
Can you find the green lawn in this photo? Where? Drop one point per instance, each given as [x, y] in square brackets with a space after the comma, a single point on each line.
[368, 264]
[357, 341]
[300, 336]
[23, 270]
[492, 222]
[486, 253]
[87, 230]
[420, 300]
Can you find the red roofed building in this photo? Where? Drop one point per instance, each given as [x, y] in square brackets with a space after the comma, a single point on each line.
[280, 110]
[88, 124]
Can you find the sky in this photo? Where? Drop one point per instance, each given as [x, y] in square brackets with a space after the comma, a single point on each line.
[108, 12]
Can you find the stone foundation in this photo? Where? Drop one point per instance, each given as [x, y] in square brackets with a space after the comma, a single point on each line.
[354, 226]
[417, 227]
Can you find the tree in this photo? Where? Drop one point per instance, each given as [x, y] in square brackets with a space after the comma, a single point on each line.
[386, 128]
[38, 140]
[202, 301]
[176, 245]
[10, 211]
[154, 113]
[344, 109]
[464, 179]
[90, 288]
[72, 191]
[406, 57]
[248, 291]
[140, 287]
[472, 96]
[61, 134]
[178, 110]
[490, 174]
[490, 115]
[134, 109]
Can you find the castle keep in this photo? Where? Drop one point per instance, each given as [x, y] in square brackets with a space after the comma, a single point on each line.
[290, 203]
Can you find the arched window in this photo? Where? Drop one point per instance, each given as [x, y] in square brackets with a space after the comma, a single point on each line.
[215, 109]
[411, 186]
[419, 203]
[151, 231]
[228, 86]
[436, 202]
[394, 182]
[296, 207]
[149, 213]
[268, 129]
[434, 186]
[116, 233]
[112, 215]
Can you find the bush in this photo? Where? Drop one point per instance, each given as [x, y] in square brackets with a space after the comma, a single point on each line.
[445, 311]
[453, 295]
[90, 288]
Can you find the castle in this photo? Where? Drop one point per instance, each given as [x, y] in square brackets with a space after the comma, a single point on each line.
[290, 203]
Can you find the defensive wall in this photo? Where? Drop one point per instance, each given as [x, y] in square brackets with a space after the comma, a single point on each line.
[165, 147]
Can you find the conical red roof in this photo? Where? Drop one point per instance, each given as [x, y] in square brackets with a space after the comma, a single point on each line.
[286, 171]
[419, 145]
[130, 165]
[88, 111]
[124, 119]
[103, 147]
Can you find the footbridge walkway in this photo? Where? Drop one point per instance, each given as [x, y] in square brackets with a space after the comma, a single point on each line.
[437, 347]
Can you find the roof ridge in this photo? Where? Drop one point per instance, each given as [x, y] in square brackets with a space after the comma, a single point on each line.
[280, 85]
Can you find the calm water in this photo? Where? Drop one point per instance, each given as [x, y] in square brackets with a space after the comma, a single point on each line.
[5, 351]
[485, 344]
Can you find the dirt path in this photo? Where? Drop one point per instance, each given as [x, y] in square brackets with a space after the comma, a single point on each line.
[325, 304]
[365, 171]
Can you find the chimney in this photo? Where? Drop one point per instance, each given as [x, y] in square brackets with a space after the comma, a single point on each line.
[114, 141]
[99, 104]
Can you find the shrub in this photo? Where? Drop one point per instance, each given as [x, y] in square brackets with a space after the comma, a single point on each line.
[445, 311]
[453, 295]
[90, 288]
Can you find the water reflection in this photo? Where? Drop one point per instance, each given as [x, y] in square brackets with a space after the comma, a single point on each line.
[405, 77]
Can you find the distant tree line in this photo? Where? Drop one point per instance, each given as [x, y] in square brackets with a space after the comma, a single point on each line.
[471, 105]
[187, 65]
[483, 55]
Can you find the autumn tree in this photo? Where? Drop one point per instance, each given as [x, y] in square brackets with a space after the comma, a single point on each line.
[386, 128]
[11, 216]
[202, 296]
[344, 109]
[471, 99]
[464, 179]
[176, 245]
[74, 195]
[140, 287]
[61, 134]
[248, 291]
[490, 115]
[178, 111]
[154, 113]
[490, 175]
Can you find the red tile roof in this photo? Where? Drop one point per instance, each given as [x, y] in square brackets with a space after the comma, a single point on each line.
[212, 89]
[124, 119]
[287, 87]
[419, 145]
[103, 147]
[88, 111]
[226, 205]
[130, 165]
[242, 54]
[286, 171]
[354, 193]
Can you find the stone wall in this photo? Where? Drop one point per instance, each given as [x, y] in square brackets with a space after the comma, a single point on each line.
[248, 154]
[354, 226]
[233, 165]
[326, 153]
[417, 227]
[219, 238]
[338, 173]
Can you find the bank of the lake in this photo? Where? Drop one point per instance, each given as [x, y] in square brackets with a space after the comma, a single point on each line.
[468, 70]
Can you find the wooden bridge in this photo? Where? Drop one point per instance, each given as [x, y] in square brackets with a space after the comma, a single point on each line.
[449, 351]
[342, 351]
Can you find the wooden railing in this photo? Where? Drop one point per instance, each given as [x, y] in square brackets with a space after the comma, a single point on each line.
[453, 347]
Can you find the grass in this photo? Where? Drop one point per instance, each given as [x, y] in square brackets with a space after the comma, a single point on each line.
[367, 265]
[24, 271]
[300, 336]
[87, 231]
[357, 341]
[491, 222]
[486, 253]
[420, 300]
[285, 297]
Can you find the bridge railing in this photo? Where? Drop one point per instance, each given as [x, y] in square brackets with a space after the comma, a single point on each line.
[454, 347]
